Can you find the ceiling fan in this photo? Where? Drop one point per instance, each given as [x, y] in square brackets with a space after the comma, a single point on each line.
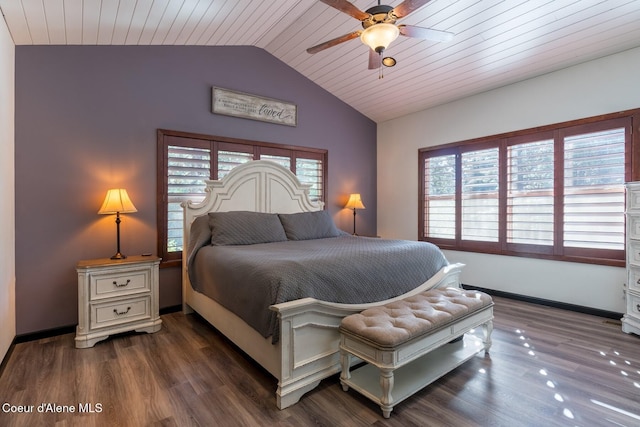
[380, 28]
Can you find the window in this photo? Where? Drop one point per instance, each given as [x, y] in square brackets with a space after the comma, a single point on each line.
[593, 189]
[530, 200]
[555, 192]
[187, 168]
[479, 195]
[186, 160]
[440, 205]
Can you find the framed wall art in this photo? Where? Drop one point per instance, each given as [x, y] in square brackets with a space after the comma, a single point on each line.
[247, 106]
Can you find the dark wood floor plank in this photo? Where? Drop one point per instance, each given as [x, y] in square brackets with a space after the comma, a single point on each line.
[547, 367]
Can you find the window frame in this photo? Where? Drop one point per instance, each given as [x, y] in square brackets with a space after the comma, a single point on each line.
[513, 247]
[166, 138]
[629, 119]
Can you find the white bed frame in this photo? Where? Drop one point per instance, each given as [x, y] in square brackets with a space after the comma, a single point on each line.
[308, 349]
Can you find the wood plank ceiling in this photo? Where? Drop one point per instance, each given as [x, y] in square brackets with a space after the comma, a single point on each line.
[496, 42]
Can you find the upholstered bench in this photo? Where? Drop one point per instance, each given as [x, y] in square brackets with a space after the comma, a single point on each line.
[412, 342]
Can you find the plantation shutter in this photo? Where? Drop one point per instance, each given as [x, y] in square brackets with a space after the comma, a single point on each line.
[281, 160]
[594, 176]
[230, 155]
[187, 168]
[479, 202]
[554, 192]
[530, 196]
[440, 200]
[310, 172]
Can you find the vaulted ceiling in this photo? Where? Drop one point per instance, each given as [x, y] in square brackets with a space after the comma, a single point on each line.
[495, 43]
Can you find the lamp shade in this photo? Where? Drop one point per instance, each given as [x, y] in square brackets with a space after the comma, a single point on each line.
[355, 202]
[379, 36]
[117, 201]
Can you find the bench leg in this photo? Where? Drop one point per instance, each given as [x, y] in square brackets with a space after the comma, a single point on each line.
[487, 329]
[345, 374]
[386, 383]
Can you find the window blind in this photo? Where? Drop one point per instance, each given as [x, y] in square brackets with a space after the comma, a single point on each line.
[530, 196]
[187, 168]
[283, 161]
[553, 192]
[594, 177]
[310, 172]
[479, 192]
[440, 200]
[228, 160]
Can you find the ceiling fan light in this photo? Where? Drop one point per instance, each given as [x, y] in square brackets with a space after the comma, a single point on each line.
[379, 36]
[388, 61]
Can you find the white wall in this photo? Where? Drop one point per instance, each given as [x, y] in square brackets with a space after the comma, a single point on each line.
[7, 194]
[600, 86]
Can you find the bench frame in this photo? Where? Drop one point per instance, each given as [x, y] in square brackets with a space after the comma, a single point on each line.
[411, 366]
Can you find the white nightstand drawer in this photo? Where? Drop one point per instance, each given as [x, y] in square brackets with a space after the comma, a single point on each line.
[633, 278]
[633, 252]
[633, 304]
[633, 226]
[122, 311]
[106, 285]
[633, 197]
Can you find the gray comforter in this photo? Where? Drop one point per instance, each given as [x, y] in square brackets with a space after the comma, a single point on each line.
[248, 279]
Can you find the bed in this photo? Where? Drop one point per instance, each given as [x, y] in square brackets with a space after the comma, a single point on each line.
[303, 348]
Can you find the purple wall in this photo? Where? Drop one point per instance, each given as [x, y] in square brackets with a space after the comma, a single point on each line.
[86, 121]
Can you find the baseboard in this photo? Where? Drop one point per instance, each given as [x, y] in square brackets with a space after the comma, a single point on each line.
[171, 309]
[48, 333]
[549, 303]
[32, 336]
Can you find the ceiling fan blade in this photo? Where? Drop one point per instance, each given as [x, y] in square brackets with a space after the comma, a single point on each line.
[425, 33]
[333, 42]
[407, 6]
[375, 59]
[348, 8]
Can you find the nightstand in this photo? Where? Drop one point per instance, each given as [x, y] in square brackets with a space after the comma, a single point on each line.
[116, 296]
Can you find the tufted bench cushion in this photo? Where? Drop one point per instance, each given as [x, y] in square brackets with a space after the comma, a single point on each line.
[393, 324]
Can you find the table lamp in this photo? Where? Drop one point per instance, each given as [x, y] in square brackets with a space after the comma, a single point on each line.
[116, 202]
[355, 202]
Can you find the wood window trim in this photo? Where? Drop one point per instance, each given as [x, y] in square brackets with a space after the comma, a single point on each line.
[167, 137]
[581, 255]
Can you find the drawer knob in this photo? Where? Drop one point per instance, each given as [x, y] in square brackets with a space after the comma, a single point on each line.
[638, 307]
[121, 285]
[121, 313]
[638, 281]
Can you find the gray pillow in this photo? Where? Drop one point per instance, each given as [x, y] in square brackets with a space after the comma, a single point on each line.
[309, 225]
[245, 228]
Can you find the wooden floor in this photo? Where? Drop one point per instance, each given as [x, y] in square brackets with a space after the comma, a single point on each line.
[548, 367]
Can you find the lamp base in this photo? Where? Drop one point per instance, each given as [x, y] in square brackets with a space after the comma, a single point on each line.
[118, 256]
[354, 222]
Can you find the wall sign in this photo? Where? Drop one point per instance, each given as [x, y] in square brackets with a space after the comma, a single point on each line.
[238, 104]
